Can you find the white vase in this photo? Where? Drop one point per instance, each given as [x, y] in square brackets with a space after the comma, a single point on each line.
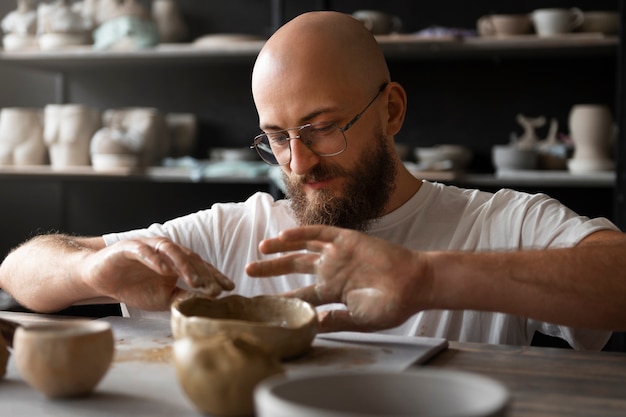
[591, 129]
[68, 129]
[21, 137]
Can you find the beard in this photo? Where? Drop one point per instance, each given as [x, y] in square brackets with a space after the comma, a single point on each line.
[368, 187]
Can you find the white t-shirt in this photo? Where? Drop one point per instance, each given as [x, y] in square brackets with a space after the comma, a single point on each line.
[437, 217]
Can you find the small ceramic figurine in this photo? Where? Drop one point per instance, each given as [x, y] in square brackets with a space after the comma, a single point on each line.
[133, 137]
[21, 137]
[68, 129]
[59, 26]
[20, 27]
[529, 139]
[130, 27]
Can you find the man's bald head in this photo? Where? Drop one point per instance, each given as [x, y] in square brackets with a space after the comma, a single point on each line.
[319, 48]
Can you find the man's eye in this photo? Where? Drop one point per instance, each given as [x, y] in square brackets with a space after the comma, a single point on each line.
[323, 129]
[277, 138]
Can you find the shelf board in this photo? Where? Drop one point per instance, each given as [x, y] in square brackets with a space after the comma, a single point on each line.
[173, 174]
[394, 46]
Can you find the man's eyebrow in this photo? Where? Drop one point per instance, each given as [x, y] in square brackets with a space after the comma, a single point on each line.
[303, 120]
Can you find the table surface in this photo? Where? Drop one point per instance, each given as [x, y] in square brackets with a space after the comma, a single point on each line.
[542, 381]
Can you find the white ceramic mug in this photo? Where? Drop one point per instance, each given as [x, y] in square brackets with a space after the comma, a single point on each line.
[551, 22]
[377, 22]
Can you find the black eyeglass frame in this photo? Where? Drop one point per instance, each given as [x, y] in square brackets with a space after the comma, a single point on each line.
[259, 138]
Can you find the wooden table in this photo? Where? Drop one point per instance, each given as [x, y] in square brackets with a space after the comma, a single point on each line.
[547, 381]
[543, 381]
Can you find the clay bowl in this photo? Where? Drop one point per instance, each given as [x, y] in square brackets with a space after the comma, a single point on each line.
[64, 359]
[283, 326]
[424, 392]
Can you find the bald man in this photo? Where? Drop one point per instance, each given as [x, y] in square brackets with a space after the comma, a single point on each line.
[328, 113]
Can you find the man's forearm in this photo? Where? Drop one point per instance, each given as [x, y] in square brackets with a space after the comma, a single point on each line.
[43, 274]
[581, 286]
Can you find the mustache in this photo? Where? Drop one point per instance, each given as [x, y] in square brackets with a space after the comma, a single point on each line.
[319, 173]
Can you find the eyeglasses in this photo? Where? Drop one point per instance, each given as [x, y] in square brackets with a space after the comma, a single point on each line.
[323, 139]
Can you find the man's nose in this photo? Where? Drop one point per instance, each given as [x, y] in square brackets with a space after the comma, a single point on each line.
[302, 157]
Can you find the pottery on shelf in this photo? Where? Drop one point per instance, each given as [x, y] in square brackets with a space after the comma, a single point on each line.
[182, 129]
[592, 131]
[133, 137]
[129, 27]
[169, 20]
[20, 27]
[68, 130]
[21, 137]
[59, 26]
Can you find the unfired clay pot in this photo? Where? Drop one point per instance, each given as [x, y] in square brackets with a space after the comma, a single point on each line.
[219, 373]
[284, 326]
[65, 359]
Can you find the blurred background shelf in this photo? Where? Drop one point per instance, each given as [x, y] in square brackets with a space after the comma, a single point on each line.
[394, 46]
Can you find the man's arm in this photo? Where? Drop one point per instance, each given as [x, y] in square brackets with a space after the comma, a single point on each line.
[52, 272]
[384, 284]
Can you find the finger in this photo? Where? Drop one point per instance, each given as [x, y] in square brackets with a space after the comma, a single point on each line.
[277, 245]
[190, 267]
[179, 294]
[303, 263]
[307, 233]
[309, 294]
[338, 321]
[211, 281]
[317, 294]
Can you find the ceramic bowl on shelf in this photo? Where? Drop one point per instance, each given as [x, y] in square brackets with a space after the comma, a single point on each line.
[455, 157]
[285, 326]
[424, 392]
[507, 157]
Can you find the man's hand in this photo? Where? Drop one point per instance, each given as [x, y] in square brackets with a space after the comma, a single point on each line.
[142, 273]
[381, 284]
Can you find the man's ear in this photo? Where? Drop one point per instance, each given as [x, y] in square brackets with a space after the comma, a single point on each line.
[396, 108]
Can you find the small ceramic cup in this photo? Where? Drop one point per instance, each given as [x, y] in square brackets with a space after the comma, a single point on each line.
[504, 25]
[552, 22]
[64, 359]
